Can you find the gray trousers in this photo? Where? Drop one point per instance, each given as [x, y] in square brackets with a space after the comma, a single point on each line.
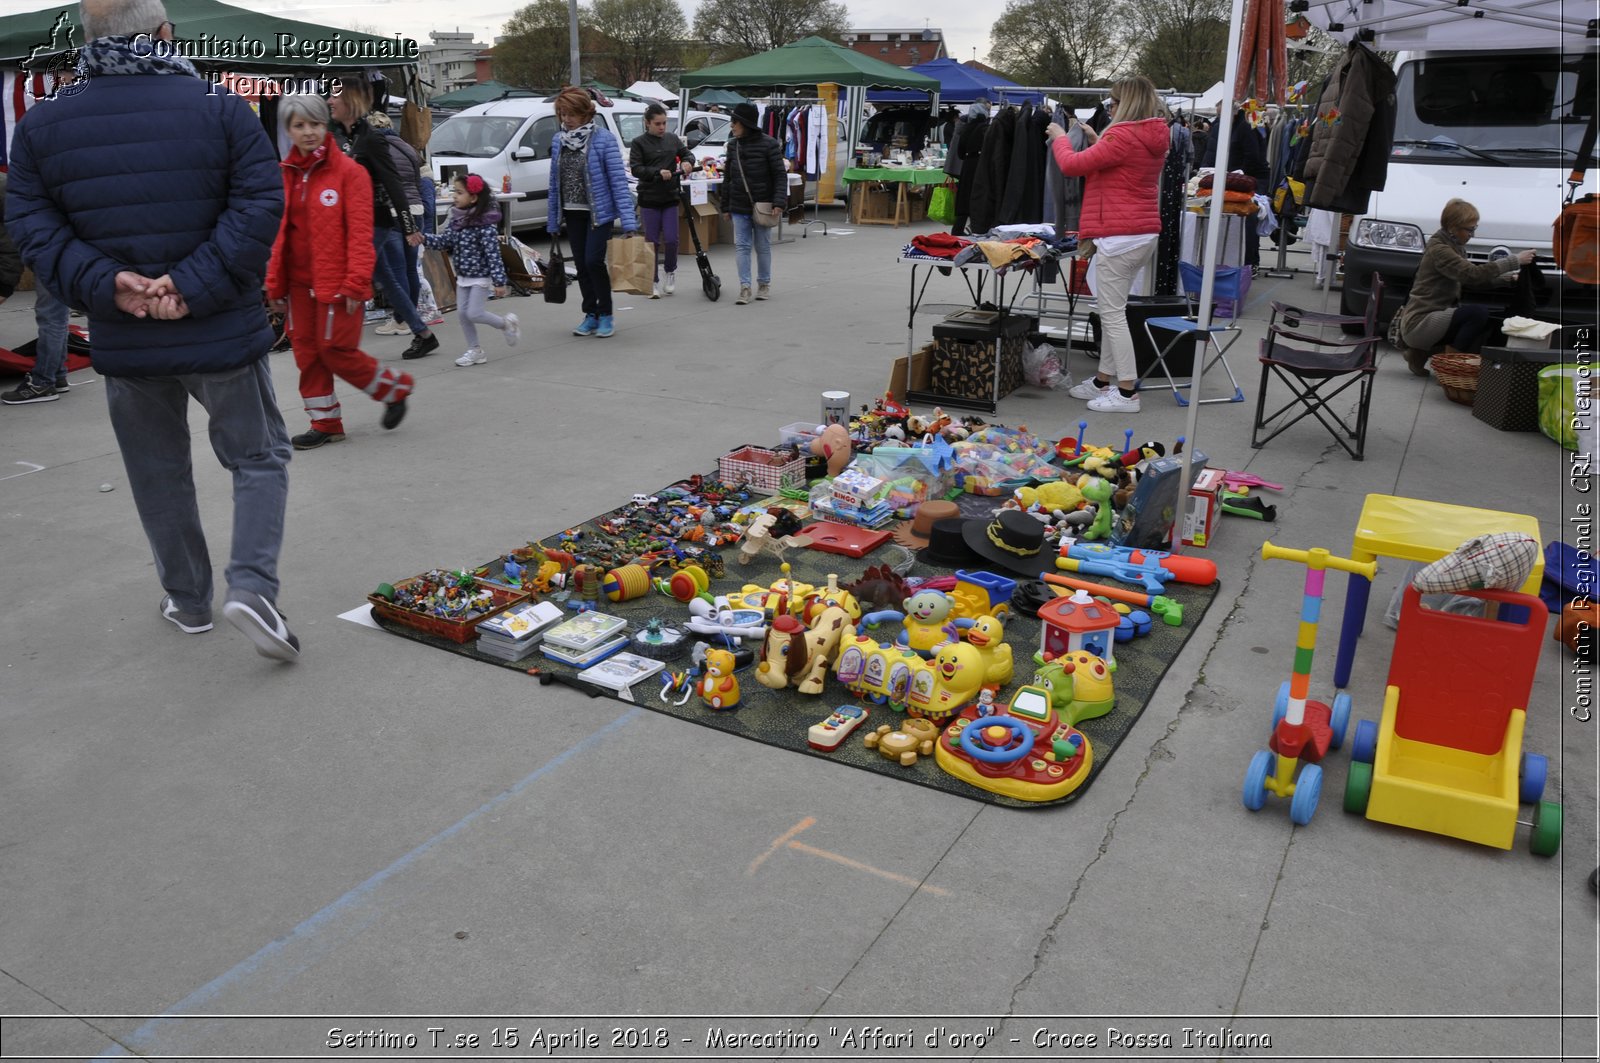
[150, 418]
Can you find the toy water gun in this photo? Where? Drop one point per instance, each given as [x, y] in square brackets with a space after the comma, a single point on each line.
[1150, 569]
[1170, 612]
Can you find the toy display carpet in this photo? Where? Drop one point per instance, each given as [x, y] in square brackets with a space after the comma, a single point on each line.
[781, 718]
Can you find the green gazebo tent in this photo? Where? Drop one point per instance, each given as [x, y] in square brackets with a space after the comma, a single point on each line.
[808, 61]
[480, 93]
[721, 97]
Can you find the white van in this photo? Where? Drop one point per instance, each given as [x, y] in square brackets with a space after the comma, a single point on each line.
[513, 137]
[1500, 129]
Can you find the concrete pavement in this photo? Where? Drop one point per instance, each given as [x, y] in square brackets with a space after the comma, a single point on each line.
[383, 835]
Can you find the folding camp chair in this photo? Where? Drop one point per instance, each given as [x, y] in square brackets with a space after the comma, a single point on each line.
[1230, 285]
[1309, 364]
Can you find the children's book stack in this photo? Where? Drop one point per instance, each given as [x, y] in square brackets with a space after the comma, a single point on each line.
[585, 639]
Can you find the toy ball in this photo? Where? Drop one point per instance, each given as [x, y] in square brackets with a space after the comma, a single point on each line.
[626, 583]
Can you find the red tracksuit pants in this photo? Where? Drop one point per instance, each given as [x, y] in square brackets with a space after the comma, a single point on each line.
[326, 342]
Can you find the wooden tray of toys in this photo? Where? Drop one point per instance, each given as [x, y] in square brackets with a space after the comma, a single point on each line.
[447, 604]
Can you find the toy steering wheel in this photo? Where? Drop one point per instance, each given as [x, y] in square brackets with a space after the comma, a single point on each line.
[1018, 742]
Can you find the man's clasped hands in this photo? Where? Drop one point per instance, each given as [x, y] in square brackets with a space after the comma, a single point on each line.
[144, 296]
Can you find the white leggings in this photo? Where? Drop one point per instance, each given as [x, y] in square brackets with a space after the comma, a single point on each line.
[474, 303]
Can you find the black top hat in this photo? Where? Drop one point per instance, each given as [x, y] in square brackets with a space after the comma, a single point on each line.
[947, 548]
[1011, 539]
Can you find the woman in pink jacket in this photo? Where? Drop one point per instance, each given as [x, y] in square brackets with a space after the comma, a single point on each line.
[1122, 166]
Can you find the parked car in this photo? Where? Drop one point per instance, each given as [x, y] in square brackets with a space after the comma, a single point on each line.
[513, 137]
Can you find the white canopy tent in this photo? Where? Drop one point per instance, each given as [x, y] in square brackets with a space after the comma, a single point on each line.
[1389, 25]
[650, 90]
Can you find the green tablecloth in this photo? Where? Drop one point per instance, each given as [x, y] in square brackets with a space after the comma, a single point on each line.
[897, 173]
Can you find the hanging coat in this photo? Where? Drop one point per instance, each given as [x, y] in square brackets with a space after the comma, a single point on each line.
[1350, 156]
[989, 188]
[1023, 201]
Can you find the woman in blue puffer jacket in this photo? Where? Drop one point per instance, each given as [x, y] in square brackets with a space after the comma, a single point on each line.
[588, 195]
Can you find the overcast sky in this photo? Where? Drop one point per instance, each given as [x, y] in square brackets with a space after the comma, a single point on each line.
[965, 24]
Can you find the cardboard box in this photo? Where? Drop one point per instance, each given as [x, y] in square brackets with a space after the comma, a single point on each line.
[1200, 522]
[705, 217]
[911, 374]
[872, 204]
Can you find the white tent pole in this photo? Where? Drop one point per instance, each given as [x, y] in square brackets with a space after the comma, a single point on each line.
[1209, 266]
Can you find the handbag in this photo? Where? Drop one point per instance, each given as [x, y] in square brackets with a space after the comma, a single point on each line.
[631, 261]
[942, 205]
[555, 275]
[763, 214]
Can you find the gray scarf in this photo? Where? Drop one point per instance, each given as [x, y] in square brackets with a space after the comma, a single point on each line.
[138, 54]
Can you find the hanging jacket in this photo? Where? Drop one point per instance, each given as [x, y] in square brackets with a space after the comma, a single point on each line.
[609, 197]
[328, 203]
[757, 160]
[648, 155]
[989, 189]
[1350, 155]
[1123, 170]
[1023, 200]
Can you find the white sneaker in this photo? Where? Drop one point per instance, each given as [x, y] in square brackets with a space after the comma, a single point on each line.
[392, 328]
[762, 291]
[744, 296]
[474, 356]
[1112, 401]
[513, 330]
[655, 290]
[1090, 388]
[669, 282]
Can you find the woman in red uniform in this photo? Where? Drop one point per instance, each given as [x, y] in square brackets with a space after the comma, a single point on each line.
[321, 272]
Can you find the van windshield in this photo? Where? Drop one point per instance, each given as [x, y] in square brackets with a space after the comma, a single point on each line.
[1514, 109]
[473, 136]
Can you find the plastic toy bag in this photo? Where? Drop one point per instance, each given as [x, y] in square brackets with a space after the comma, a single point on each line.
[1042, 367]
[909, 480]
[1558, 404]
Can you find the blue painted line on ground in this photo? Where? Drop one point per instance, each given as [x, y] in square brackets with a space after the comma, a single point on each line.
[328, 928]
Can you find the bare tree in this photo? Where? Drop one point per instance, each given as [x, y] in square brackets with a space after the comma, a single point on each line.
[1047, 42]
[737, 28]
[532, 52]
[644, 38]
[1182, 44]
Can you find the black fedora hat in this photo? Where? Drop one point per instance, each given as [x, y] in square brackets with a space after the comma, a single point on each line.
[1011, 539]
[947, 547]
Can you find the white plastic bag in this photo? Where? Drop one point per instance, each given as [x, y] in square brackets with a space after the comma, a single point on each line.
[1044, 367]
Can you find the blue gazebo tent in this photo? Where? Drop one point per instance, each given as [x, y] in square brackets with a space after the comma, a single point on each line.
[958, 83]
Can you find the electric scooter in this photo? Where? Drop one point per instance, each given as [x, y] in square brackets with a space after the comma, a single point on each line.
[710, 283]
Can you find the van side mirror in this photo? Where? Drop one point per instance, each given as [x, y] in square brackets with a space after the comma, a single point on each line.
[525, 154]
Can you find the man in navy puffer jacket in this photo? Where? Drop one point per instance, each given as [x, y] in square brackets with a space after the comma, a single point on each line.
[149, 200]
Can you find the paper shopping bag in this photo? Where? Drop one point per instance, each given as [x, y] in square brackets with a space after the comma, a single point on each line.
[632, 262]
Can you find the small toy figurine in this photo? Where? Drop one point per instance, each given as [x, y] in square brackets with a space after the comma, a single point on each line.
[1099, 492]
[834, 445]
[719, 687]
[915, 738]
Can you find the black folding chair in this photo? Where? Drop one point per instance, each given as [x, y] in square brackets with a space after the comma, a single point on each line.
[1318, 370]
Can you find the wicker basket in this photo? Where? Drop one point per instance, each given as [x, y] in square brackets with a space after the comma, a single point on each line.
[762, 468]
[1458, 375]
[463, 630]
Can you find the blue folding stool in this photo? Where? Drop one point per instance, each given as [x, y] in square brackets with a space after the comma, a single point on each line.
[1221, 335]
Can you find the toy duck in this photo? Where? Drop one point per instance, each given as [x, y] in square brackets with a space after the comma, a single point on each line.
[719, 687]
[957, 678]
[988, 635]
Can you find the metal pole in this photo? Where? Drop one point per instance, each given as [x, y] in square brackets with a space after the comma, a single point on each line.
[572, 42]
[1209, 266]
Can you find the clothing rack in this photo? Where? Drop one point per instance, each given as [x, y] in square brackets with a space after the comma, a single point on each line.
[816, 205]
[1294, 112]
